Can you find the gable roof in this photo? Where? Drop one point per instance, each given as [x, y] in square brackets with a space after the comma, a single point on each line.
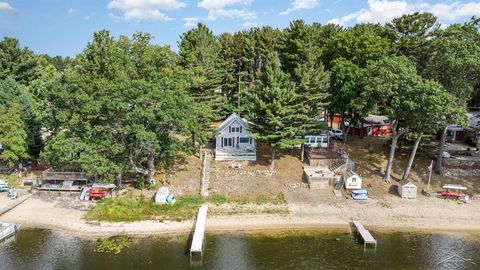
[232, 118]
[352, 173]
[405, 182]
[377, 119]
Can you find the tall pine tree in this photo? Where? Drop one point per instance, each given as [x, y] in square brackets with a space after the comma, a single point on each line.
[275, 113]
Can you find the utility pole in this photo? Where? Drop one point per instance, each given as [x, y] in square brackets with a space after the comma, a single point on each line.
[430, 168]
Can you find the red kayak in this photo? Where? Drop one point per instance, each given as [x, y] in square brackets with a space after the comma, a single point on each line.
[450, 194]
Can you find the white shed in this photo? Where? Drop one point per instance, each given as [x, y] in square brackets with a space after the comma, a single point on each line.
[407, 189]
[352, 180]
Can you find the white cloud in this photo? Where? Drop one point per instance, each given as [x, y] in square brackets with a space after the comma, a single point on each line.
[191, 21]
[250, 24]
[220, 4]
[146, 4]
[86, 18]
[4, 6]
[145, 9]
[382, 11]
[298, 5]
[230, 13]
[71, 11]
[217, 9]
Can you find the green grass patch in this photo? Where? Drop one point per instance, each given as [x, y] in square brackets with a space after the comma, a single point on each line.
[218, 199]
[131, 208]
[12, 179]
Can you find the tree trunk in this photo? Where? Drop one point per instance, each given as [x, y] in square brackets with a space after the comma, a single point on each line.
[302, 152]
[345, 132]
[272, 161]
[118, 179]
[395, 136]
[412, 156]
[441, 149]
[151, 170]
[238, 86]
[193, 140]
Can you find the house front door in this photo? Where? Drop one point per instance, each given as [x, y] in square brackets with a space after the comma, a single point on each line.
[227, 142]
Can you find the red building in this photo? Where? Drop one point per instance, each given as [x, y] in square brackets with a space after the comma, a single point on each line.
[372, 125]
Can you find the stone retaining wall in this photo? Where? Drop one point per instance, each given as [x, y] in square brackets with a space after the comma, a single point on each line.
[461, 172]
[468, 162]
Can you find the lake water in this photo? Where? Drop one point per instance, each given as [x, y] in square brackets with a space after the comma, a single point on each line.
[43, 249]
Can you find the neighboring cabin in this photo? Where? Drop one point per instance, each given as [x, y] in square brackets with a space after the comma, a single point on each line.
[233, 140]
[457, 133]
[372, 125]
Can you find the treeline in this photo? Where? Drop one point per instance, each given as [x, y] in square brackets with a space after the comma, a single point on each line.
[126, 104]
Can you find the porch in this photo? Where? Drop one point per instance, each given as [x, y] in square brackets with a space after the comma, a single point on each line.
[236, 154]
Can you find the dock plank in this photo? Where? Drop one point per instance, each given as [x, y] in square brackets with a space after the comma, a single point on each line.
[199, 233]
[364, 233]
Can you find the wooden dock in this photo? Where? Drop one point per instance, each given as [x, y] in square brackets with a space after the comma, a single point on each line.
[7, 230]
[199, 233]
[364, 234]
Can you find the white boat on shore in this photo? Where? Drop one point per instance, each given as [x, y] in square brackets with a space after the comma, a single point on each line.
[7, 230]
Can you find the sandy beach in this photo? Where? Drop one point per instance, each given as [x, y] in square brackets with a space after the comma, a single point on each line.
[307, 210]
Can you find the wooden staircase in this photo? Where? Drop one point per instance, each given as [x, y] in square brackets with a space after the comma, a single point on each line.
[205, 174]
[337, 165]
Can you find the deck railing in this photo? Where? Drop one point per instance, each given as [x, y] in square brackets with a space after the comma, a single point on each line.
[64, 176]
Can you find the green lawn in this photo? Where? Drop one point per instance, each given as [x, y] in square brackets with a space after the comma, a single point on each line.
[130, 208]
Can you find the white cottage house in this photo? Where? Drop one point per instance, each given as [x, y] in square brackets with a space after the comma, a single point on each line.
[233, 140]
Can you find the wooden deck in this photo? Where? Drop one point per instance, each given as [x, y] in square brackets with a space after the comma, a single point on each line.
[364, 234]
[199, 233]
[64, 176]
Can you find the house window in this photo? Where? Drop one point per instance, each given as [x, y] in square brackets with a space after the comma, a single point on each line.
[354, 180]
[227, 142]
[236, 129]
[244, 140]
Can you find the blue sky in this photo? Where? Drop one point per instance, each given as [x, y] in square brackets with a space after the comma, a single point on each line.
[63, 27]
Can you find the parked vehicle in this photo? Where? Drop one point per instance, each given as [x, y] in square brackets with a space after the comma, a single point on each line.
[3, 187]
[336, 133]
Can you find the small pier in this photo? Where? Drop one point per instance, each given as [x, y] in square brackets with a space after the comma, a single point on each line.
[199, 233]
[7, 230]
[364, 234]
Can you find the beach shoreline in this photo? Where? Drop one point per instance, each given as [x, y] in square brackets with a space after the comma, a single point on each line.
[43, 214]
